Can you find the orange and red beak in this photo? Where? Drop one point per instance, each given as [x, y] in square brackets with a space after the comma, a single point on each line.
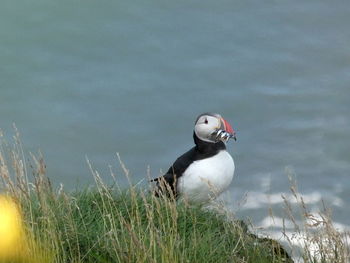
[228, 128]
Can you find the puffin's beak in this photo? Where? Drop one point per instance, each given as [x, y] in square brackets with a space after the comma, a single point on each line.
[225, 132]
[228, 128]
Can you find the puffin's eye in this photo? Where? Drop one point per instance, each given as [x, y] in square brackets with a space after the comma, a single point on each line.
[206, 121]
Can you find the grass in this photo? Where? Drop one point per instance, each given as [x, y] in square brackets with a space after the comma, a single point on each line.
[107, 224]
[316, 233]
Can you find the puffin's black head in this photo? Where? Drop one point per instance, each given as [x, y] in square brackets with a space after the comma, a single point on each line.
[211, 127]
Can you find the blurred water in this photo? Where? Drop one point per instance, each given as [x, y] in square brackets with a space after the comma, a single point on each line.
[92, 78]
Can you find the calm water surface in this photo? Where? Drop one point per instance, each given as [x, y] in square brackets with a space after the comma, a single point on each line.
[92, 78]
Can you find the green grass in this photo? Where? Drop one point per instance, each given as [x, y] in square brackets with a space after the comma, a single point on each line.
[107, 224]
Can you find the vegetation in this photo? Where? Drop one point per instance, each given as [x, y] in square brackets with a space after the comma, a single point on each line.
[107, 224]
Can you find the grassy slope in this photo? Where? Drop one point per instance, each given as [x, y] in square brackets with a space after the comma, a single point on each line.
[108, 225]
[104, 225]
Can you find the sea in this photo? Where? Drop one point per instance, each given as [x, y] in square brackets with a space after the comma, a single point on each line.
[84, 81]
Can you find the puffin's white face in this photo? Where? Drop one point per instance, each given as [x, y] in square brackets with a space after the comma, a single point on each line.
[213, 128]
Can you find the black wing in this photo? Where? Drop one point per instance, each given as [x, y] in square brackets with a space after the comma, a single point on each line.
[168, 182]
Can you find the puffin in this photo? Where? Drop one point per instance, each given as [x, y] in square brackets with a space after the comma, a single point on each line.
[206, 170]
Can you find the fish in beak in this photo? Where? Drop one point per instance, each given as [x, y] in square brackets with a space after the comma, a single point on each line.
[224, 132]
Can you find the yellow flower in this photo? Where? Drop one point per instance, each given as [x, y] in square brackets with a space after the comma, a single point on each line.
[16, 244]
[11, 229]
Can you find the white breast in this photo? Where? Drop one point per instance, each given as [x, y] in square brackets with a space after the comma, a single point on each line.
[205, 179]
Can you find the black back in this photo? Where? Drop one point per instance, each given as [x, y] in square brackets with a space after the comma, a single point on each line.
[202, 150]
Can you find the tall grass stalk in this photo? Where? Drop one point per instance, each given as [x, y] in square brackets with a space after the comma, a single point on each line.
[315, 232]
